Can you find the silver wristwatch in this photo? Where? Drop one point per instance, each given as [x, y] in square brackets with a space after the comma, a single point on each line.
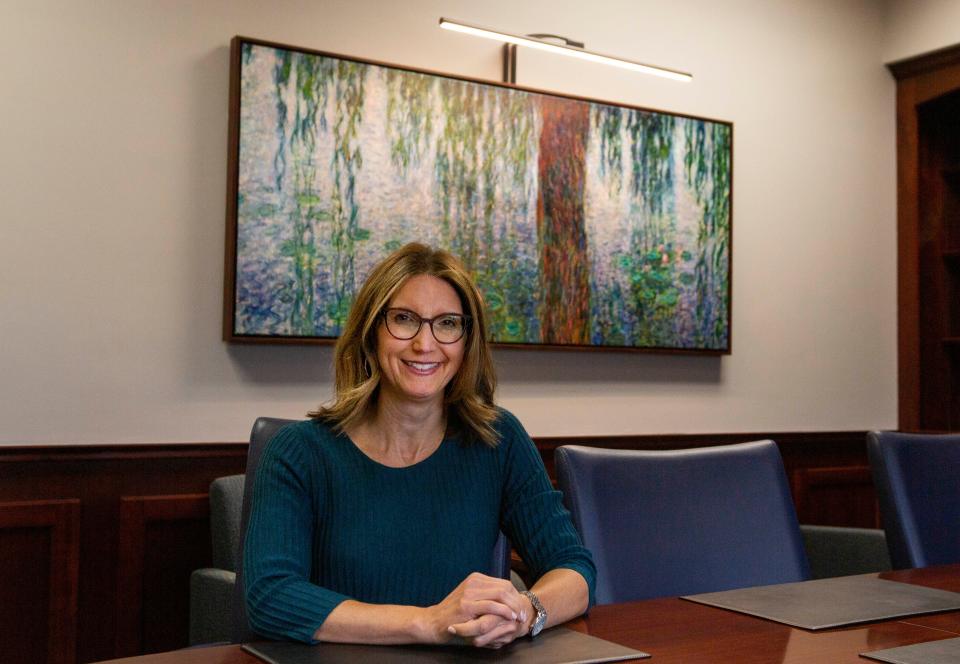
[541, 618]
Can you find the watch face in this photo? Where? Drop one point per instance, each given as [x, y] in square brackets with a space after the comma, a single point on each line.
[540, 620]
[537, 626]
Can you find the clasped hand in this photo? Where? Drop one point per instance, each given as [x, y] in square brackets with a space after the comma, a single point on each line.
[484, 611]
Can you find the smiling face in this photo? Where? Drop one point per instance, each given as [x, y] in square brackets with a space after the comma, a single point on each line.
[419, 369]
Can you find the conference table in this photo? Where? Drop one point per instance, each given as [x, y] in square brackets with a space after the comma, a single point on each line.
[676, 630]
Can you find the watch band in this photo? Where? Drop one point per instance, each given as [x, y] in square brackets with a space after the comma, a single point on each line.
[541, 618]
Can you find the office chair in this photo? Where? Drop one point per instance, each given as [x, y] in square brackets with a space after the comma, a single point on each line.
[679, 522]
[916, 477]
[217, 608]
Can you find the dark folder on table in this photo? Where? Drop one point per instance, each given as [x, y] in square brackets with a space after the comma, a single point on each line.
[944, 651]
[560, 645]
[825, 603]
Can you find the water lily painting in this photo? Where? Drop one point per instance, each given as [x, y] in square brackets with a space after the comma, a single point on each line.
[586, 224]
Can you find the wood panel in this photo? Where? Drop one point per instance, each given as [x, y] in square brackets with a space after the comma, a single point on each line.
[835, 496]
[145, 524]
[162, 540]
[39, 580]
[97, 477]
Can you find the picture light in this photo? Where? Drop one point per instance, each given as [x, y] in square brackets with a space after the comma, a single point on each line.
[573, 49]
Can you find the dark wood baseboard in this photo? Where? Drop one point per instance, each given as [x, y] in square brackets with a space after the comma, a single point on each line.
[99, 541]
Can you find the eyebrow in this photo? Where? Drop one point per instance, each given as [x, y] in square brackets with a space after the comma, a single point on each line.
[442, 313]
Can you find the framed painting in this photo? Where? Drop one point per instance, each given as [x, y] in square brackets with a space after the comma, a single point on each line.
[586, 224]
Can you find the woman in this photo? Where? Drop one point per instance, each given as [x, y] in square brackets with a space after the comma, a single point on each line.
[370, 522]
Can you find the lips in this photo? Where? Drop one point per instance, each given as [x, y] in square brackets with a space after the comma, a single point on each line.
[422, 367]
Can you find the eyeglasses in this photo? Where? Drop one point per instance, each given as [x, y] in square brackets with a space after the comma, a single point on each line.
[404, 325]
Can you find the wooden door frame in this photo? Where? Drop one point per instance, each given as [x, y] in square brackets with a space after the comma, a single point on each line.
[919, 79]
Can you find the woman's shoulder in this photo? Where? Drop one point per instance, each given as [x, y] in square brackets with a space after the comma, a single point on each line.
[506, 423]
[515, 448]
[510, 432]
[302, 437]
[305, 429]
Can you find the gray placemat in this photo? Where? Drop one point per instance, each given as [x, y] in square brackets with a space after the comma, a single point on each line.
[559, 645]
[823, 603]
[945, 651]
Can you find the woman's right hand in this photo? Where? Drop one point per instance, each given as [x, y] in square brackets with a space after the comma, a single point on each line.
[480, 611]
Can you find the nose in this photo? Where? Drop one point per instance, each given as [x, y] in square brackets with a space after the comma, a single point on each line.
[424, 340]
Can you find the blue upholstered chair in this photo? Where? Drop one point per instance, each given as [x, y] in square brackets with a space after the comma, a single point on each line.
[678, 522]
[218, 611]
[916, 477]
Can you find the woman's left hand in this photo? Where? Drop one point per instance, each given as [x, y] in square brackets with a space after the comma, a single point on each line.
[493, 631]
[479, 633]
[563, 592]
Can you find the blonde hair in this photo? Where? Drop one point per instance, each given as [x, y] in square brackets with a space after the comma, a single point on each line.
[468, 397]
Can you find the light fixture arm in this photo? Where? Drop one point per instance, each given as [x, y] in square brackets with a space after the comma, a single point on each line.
[509, 63]
[510, 53]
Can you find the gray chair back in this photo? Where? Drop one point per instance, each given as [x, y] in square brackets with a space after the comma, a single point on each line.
[842, 551]
[226, 504]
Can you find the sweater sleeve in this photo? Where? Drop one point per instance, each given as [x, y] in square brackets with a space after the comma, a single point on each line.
[533, 515]
[282, 603]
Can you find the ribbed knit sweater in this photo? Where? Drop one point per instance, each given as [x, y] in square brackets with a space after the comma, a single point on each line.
[328, 523]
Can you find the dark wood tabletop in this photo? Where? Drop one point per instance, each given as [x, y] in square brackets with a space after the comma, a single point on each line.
[675, 630]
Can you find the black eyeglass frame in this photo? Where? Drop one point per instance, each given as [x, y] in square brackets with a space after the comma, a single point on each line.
[421, 320]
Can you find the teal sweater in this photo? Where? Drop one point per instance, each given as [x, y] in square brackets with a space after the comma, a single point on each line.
[328, 523]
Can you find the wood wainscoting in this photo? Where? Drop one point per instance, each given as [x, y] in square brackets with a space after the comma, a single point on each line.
[97, 545]
[97, 542]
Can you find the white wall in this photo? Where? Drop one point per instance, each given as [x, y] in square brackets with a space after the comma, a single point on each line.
[913, 27]
[113, 131]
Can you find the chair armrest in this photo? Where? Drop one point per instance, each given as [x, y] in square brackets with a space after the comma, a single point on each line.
[840, 551]
[211, 605]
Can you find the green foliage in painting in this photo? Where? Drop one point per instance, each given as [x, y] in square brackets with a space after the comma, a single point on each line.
[409, 116]
[482, 147]
[302, 81]
[323, 229]
[708, 168]
[645, 308]
[344, 206]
